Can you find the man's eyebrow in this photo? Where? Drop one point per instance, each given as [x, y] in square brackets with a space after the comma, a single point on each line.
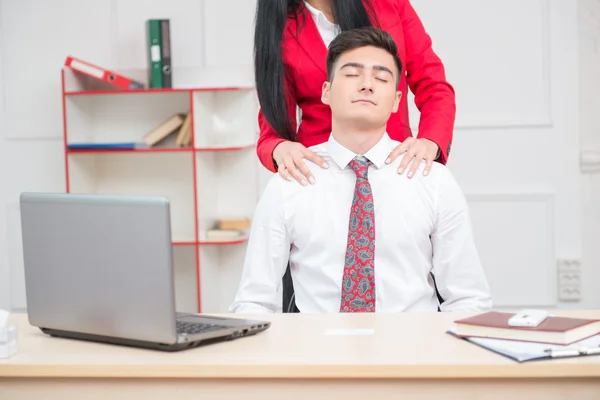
[359, 65]
[382, 68]
[352, 64]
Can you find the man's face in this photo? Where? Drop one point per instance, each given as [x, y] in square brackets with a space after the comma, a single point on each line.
[363, 89]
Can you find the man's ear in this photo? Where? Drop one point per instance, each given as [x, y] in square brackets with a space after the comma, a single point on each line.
[397, 101]
[325, 92]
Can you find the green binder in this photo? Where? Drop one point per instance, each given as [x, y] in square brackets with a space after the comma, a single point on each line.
[153, 43]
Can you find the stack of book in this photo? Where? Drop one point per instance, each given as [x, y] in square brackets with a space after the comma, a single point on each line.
[228, 229]
[554, 337]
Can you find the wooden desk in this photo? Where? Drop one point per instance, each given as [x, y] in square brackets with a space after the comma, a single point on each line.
[409, 355]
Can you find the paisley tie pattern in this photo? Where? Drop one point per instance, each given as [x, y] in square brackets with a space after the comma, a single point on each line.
[358, 283]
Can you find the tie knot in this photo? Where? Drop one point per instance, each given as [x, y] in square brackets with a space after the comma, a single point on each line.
[360, 165]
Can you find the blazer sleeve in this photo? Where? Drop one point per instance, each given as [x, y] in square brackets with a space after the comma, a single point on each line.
[426, 78]
[269, 139]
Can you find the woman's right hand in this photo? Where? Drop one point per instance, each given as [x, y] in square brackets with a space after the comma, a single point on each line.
[290, 156]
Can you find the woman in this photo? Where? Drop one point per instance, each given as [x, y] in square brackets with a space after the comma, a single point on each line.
[290, 45]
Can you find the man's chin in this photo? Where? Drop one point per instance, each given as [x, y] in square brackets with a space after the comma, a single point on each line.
[365, 122]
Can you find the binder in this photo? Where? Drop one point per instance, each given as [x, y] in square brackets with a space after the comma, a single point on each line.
[521, 351]
[165, 59]
[154, 53]
[102, 74]
[107, 146]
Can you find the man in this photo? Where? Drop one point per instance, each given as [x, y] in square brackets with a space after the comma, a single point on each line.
[363, 238]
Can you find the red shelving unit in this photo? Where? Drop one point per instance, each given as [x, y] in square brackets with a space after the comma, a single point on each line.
[100, 92]
[101, 114]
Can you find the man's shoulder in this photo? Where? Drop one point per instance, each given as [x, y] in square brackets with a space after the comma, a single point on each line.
[320, 150]
[437, 173]
[292, 187]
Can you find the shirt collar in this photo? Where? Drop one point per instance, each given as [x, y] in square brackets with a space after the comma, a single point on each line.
[377, 154]
[318, 15]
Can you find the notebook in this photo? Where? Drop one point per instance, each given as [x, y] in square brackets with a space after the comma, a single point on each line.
[554, 330]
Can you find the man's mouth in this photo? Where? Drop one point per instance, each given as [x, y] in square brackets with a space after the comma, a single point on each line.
[364, 101]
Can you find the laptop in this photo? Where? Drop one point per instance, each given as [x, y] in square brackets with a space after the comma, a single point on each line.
[99, 268]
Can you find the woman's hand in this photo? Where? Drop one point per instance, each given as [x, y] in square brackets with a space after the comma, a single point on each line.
[289, 159]
[416, 151]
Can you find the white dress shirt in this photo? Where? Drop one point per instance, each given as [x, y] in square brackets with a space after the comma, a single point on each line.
[328, 30]
[422, 225]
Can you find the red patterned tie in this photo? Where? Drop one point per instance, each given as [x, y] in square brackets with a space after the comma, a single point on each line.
[358, 283]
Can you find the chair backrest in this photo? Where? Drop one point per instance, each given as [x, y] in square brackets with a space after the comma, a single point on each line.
[289, 296]
[288, 304]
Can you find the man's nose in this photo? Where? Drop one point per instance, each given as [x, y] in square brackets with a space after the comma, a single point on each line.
[366, 85]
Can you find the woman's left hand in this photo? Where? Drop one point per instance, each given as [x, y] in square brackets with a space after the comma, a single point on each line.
[416, 151]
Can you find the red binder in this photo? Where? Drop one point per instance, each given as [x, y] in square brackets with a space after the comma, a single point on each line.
[102, 74]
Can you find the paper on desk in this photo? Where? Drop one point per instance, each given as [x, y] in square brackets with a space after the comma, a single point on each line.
[526, 351]
[360, 332]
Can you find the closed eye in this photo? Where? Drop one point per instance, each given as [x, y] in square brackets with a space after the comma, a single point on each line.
[382, 80]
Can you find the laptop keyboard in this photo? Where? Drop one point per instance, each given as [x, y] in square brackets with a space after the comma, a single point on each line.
[193, 328]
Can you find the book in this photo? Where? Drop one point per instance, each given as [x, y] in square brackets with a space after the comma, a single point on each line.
[233, 224]
[165, 56]
[102, 74]
[554, 330]
[218, 234]
[166, 128]
[184, 136]
[106, 146]
[154, 53]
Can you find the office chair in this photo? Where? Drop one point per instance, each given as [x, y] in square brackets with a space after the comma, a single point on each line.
[289, 298]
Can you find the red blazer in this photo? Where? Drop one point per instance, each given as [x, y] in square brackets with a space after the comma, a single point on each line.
[304, 58]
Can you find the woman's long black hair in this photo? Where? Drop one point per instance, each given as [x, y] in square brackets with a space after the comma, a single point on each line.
[271, 16]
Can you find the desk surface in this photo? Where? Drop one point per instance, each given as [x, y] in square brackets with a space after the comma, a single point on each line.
[411, 345]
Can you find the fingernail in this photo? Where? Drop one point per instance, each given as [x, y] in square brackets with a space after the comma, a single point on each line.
[400, 170]
[303, 182]
[425, 173]
[311, 180]
[325, 165]
[289, 178]
[410, 174]
[389, 160]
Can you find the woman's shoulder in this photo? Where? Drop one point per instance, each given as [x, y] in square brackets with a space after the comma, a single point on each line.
[294, 24]
[389, 15]
[386, 7]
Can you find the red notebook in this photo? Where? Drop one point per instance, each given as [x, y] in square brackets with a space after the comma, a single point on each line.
[555, 330]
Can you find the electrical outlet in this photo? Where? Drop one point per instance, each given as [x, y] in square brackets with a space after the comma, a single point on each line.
[569, 293]
[569, 280]
[569, 266]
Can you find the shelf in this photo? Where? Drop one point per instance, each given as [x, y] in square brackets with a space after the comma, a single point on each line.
[149, 150]
[224, 148]
[240, 240]
[163, 150]
[118, 91]
[217, 178]
[184, 243]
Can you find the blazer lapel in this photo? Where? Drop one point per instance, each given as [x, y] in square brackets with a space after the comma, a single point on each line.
[309, 38]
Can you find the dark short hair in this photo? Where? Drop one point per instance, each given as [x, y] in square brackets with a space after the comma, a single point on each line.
[361, 37]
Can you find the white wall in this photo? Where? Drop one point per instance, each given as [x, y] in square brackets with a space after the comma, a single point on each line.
[519, 77]
[589, 85]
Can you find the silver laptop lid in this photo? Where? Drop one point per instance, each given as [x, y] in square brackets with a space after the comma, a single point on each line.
[99, 264]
